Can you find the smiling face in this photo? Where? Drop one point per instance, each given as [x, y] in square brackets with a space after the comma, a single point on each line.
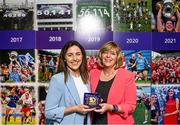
[73, 58]
[153, 98]
[15, 70]
[24, 71]
[171, 93]
[169, 26]
[110, 55]
[109, 58]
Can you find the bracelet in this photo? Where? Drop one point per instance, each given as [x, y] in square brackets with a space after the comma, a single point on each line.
[115, 108]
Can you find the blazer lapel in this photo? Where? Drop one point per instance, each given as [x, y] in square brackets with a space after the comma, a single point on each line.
[72, 89]
[117, 89]
[95, 80]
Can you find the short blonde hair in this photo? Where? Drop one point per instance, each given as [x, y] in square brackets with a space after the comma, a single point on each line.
[108, 46]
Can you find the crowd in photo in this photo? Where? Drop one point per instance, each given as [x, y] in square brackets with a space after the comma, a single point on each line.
[135, 15]
[166, 70]
[18, 104]
[92, 62]
[17, 68]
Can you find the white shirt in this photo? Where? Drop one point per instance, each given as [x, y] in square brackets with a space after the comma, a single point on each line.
[25, 100]
[81, 87]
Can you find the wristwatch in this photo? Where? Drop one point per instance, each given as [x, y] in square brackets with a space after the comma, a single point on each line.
[115, 108]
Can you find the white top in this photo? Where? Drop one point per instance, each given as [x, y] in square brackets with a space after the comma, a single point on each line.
[81, 87]
[25, 100]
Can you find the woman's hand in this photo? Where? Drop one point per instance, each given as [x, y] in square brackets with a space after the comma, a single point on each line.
[83, 109]
[167, 114]
[104, 108]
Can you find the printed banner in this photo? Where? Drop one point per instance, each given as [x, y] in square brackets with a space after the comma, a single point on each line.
[17, 39]
[133, 41]
[53, 39]
[93, 40]
[165, 41]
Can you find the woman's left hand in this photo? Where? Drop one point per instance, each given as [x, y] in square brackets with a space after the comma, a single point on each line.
[166, 114]
[104, 108]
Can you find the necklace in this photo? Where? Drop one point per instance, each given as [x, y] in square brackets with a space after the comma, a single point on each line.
[109, 74]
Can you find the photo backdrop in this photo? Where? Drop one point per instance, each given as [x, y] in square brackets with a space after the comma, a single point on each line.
[32, 34]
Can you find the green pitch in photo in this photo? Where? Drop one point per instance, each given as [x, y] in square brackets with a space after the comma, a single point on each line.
[132, 15]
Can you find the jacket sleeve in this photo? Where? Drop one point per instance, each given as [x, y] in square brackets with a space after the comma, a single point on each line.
[53, 110]
[129, 104]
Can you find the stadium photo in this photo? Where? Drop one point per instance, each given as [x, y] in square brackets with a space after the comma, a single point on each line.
[93, 15]
[165, 67]
[16, 15]
[165, 104]
[17, 66]
[18, 105]
[132, 15]
[55, 15]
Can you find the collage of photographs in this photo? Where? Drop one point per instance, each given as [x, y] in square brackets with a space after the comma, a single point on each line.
[26, 71]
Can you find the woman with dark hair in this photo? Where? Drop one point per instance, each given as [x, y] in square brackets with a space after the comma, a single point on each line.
[171, 108]
[116, 87]
[154, 109]
[167, 25]
[12, 100]
[64, 101]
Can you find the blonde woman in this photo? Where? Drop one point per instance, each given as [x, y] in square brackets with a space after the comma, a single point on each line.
[116, 87]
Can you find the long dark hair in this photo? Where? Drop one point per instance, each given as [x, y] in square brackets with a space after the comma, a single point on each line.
[173, 30]
[62, 65]
[167, 96]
